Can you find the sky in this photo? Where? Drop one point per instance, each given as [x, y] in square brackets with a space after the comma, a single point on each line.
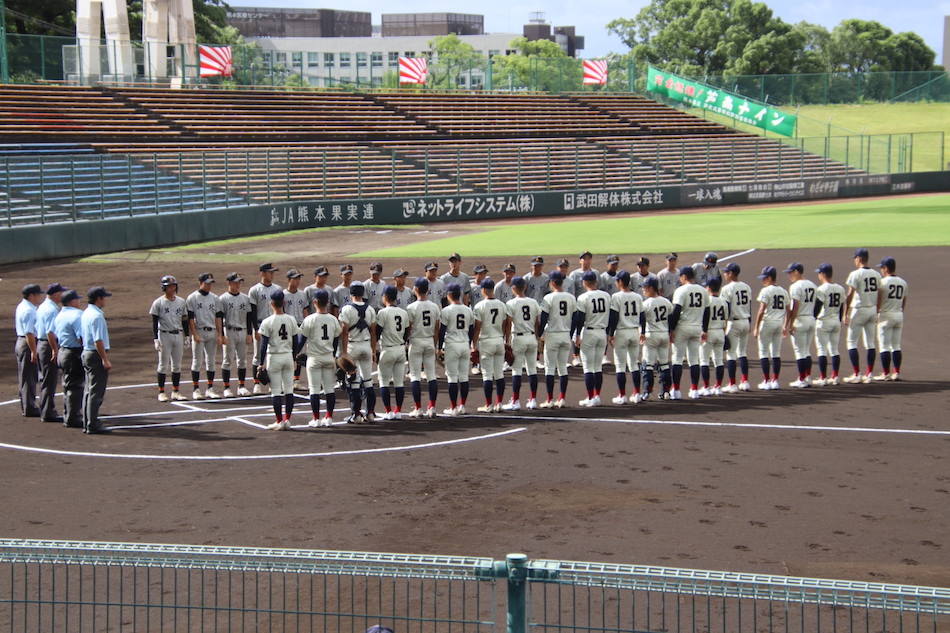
[925, 17]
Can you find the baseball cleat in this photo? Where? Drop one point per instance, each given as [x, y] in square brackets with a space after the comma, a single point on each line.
[808, 380]
[559, 403]
[895, 376]
[488, 408]
[832, 381]
[636, 398]
[716, 391]
[866, 379]
[197, 395]
[415, 413]
[476, 370]
[513, 405]
[327, 421]
[451, 412]
[675, 394]
[881, 377]
[532, 404]
[853, 379]
[586, 402]
[693, 394]
[369, 418]
[576, 362]
[314, 423]
[211, 394]
[620, 400]
[296, 385]
[178, 397]
[730, 389]
[595, 401]
[645, 396]
[705, 391]
[227, 394]
[258, 389]
[283, 425]
[162, 396]
[776, 385]
[461, 409]
[397, 415]
[547, 404]
[765, 385]
[745, 386]
[820, 382]
[540, 364]
[798, 384]
[430, 412]
[243, 391]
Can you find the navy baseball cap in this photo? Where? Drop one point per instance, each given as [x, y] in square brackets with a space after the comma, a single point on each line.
[346, 268]
[431, 266]
[206, 278]
[422, 284]
[357, 289]
[455, 257]
[643, 261]
[268, 268]
[825, 268]
[320, 271]
[32, 289]
[671, 257]
[293, 273]
[862, 253]
[555, 275]
[613, 259]
[400, 272]
[711, 258]
[590, 275]
[488, 284]
[509, 268]
[320, 296]
[375, 267]
[518, 282]
[277, 296]
[732, 267]
[480, 268]
[651, 282]
[584, 254]
[888, 262]
[687, 271]
[537, 261]
[796, 266]
[714, 284]
[454, 290]
[563, 262]
[624, 277]
[97, 292]
[53, 288]
[390, 293]
[235, 276]
[768, 271]
[69, 296]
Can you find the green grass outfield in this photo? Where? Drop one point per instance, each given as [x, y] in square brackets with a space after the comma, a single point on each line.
[894, 221]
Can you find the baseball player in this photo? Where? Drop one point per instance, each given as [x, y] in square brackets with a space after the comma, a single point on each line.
[655, 337]
[205, 322]
[25, 349]
[358, 340]
[564, 267]
[259, 294]
[455, 332]
[890, 323]
[321, 278]
[861, 308]
[738, 296]
[557, 313]
[707, 269]
[436, 286]
[492, 328]
[45, 352]
[537, 281]
[591, 316]
[503, 291]
[297, 305]
[423, 341]
[688, 324]
[278, 332]
[238, 325]
[643, 273]
[373, 287]
[341, 294]
[456, 276]
[669, 277]
[524, 313]
[475, 290]
[169, 322]
[769, 327]
[404, 294]
[829, 305]
[800, 321]
[68, 333]
[320, 334]
[608, 278]
[392, 325]
[577, 275]
[714, 345]
[623, 333]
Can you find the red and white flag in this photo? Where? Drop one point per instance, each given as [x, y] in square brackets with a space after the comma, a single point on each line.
[412, 70]
[595, 71]
[215, 61]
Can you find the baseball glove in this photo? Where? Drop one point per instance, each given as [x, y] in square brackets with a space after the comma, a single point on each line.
[346, 363]
[509, 355]
[262, 376]
[440, 357]
[475, 357]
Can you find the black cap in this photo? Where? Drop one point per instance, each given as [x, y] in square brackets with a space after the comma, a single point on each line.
[235, 277]
[431, 266]
[390, 293]
[671, 256]
[518, 282]
[206, 278]
[32, 289]
[375, 267]
[825, 268]
[714, 284]
[555, 275]
[357, 289]
[400, 272]
[488, 284]
[293, 273]
[584, 254]
[346, 268]
[624, 277]
[169, 280]
[454, 290]
[509, 268]
[613, 259]
[563, 262]
[643, 261]
[268, 268]
[862, 253]
[53, 288]
[732, 267]
[795, 266]
[687, 271]
[888, 262]
[480, 268]
[768, 271]
[97, 292]
[69, 296]
[455, 257]
[422, 284]
[537, 261]
[320, 271]
[651, 282]
[320, 296]
[589, 275]
[711, 258]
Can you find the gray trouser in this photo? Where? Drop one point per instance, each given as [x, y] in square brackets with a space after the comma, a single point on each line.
[70, 364]
[49, 377]
[27, 375]
[95, 389]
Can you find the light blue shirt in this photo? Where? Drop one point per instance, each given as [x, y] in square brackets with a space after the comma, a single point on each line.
[44, 317]
[67, 326]
[94, 328]
[25, 318]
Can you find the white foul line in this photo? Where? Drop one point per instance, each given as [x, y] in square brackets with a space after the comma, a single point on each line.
[388, 449]
[728, 257]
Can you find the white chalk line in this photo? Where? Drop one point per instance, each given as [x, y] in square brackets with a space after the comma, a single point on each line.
[734, 255]
[363, 451]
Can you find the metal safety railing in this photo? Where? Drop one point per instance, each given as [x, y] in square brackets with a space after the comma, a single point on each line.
[91, 587]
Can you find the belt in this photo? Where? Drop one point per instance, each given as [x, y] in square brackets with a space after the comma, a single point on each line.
[20, 336]
[172, 331]
[206, 329]
[523, 333]
[239, 329]
[72, 348]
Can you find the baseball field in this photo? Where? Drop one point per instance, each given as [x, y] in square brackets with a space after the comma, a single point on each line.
[843, 482]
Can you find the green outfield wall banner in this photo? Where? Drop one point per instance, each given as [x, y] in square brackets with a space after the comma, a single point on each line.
[700, 95]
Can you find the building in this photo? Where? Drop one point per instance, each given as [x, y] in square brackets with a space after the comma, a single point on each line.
[538, 29]
[255, 22]
[432, 24]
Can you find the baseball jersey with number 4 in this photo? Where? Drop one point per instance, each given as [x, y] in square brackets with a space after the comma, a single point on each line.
[280, 329]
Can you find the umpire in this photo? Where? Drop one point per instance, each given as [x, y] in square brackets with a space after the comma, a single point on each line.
[95, 359]
[67, 329]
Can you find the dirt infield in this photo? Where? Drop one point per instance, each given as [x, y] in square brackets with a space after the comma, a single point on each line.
[848, 482]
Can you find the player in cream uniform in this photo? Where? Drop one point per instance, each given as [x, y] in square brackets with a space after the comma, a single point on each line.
[524, 313]
[769, 327]
[688, 323]
[623, 333]
[238, 325]
[829, 305]
[169, 321]
[392, 324]
[456, 321]
[423, 340]
[277, 348]
[358, 340]
[890, 324]
[592, 315]
[861, 308]
[738, 296]
[373, 287]
[713, 347]
[800, 321]
[456, 276]
[205, 320]
[491, 329]
[557, 313]
[319, 335]
[655, 337]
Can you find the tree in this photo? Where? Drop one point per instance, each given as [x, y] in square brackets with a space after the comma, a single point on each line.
[858, 46]
[452, 59]
[537, 65]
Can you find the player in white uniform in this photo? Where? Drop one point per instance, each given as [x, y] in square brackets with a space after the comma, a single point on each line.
[259, 294]
[577, 281]
[688, 325]
[358, 340]
[299, 306]
[800, 321]
[769, 327]
[404, 294]
[608, 278]
[642, 274]
[456, 276]
[373, 293]
[861, 308]
[557, 313]
[436, 286]
[524, 313]
[238, 325]
[423, 340]
[537, 281]
[277, 334]
[592, 314]
[169, 321]
[890, 323]
[392, 325]
[623, 333]
[319, 336]
[669, 277]
[707, 269]
[503, 291]
[655, 337]
[738, 296]
[457, 321]
[713, 347]
[207, 333]
[492, 327]
[829, 305]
